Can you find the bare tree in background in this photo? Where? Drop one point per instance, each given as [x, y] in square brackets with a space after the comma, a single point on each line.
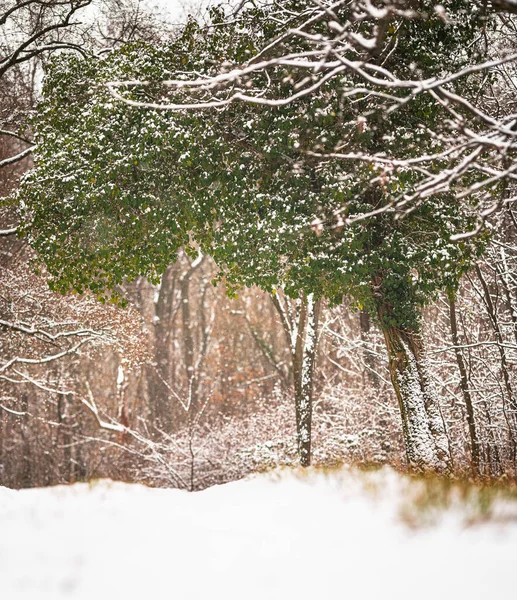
[46, 340]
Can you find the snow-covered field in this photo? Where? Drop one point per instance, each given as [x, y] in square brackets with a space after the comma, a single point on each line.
[344, 534]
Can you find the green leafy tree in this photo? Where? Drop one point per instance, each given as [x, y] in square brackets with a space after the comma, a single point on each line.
[118, 189]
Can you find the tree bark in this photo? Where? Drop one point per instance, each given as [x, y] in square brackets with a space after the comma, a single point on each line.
[305, 357]
[464, 385]
[510, 411]
[64, 439]
[425, 436]
[301, 329]
[369, 359]
[159, 376]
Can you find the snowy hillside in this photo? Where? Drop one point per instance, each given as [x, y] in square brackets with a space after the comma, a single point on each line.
[343, 534]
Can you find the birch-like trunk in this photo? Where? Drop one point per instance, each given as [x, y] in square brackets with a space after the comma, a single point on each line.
[305, 357]
[425, 436]
[301, 329]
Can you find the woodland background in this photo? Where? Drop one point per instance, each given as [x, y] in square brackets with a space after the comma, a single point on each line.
[188, 388]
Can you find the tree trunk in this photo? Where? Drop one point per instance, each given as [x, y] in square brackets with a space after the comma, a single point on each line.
[510, 411]
[64, 438]
[301, 329]
[159, 375]
[368, 357]
[304, 359]
[464, 385]
[25, 473]
[425, 437]
[504, 276]
[189, 344]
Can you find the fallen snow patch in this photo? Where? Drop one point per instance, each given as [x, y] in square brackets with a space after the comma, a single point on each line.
[343, 534]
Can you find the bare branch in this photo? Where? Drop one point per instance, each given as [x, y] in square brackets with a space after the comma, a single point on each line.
[14, 159]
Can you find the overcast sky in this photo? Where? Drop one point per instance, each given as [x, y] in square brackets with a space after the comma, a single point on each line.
[179, 9]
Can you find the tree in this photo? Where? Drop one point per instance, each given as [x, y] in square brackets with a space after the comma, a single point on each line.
[46, 341]
[257, 183]
[301, 324]
[476, 137]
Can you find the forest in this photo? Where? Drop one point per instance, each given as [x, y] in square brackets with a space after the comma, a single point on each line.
[274, 234]
[264, 251]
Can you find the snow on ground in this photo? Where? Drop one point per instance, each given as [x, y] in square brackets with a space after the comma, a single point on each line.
[334, 535]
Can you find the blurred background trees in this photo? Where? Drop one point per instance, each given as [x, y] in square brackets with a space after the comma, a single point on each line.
[187, 387]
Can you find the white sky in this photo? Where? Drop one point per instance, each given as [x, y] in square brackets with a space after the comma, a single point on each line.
[179, 9]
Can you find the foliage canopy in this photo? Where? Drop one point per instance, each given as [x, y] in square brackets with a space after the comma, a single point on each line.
[117, 190]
